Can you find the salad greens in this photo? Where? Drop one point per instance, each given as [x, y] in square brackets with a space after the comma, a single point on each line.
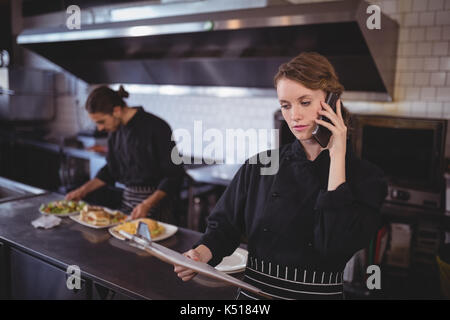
[62, 207]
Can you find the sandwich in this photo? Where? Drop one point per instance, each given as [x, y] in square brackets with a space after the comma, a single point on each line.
[96, 216]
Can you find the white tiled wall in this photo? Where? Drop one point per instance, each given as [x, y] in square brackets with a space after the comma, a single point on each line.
[422, 85]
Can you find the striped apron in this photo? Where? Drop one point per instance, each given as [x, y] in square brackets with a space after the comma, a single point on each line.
[134, 195]
[290, 283]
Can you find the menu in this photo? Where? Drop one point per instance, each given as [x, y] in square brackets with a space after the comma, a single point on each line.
[175, 258]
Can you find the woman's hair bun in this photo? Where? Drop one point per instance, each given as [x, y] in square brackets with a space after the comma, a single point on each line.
[122, 92]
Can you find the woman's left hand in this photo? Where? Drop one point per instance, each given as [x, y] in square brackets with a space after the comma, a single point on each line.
[338, 141]
[140, 211]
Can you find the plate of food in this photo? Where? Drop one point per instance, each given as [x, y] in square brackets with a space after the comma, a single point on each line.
[99, 217]
[234, 263]
[62, 208]
[158, 230]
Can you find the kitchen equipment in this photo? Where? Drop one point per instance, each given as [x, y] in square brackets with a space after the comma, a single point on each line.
[426, 243]
[400, 245]
[410, 151]
[26, 94]
[219, 43]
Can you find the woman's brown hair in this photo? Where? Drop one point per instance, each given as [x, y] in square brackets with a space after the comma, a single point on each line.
[103, 99]
[315, 72]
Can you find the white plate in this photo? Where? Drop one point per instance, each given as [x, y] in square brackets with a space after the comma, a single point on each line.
[169, 230]
[84, 223]
[234, 263]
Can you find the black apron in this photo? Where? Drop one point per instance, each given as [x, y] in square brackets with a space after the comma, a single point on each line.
[133, 196]
[290, 283]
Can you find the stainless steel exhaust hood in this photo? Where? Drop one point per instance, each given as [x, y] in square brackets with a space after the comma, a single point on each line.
[231, 48]
[26, 94]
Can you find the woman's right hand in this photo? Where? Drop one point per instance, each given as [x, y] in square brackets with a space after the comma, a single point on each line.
[201, 253]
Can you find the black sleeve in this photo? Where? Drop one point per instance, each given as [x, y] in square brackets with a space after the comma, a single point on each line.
[226, 221]
[348, 217]
[104, 175]
[172, 174]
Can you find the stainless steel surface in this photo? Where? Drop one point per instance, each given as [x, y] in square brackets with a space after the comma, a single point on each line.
[101, 258]
[385, 55]
[146, 10]
[170, 90]
[28, 94]
[402, 195]
[12, 190]
[226, 48]
[114, 32]
[233, 21]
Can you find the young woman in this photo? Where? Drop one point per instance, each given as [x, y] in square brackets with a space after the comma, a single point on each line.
[139, 156]
[305, 222]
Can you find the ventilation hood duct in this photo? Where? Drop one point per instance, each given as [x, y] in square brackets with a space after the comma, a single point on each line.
[196, 46]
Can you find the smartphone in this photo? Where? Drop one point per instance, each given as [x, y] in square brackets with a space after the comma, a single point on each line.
[320, 133]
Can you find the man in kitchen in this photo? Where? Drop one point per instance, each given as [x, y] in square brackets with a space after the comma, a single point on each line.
[139, 156]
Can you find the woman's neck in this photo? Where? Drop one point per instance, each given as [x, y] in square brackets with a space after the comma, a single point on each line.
[312, 148]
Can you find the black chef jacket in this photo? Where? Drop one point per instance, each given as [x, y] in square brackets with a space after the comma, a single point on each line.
[139, 154]
[291, 219]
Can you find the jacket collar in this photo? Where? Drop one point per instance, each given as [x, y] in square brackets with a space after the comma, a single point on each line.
[135, 117]
[297, 150]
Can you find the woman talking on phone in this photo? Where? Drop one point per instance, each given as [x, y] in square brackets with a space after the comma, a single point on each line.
[306, 221]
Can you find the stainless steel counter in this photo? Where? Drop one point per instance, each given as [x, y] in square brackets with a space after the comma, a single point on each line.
[102, 258]
[12, 190]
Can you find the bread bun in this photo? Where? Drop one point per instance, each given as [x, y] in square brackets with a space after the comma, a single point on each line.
[95, 215]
